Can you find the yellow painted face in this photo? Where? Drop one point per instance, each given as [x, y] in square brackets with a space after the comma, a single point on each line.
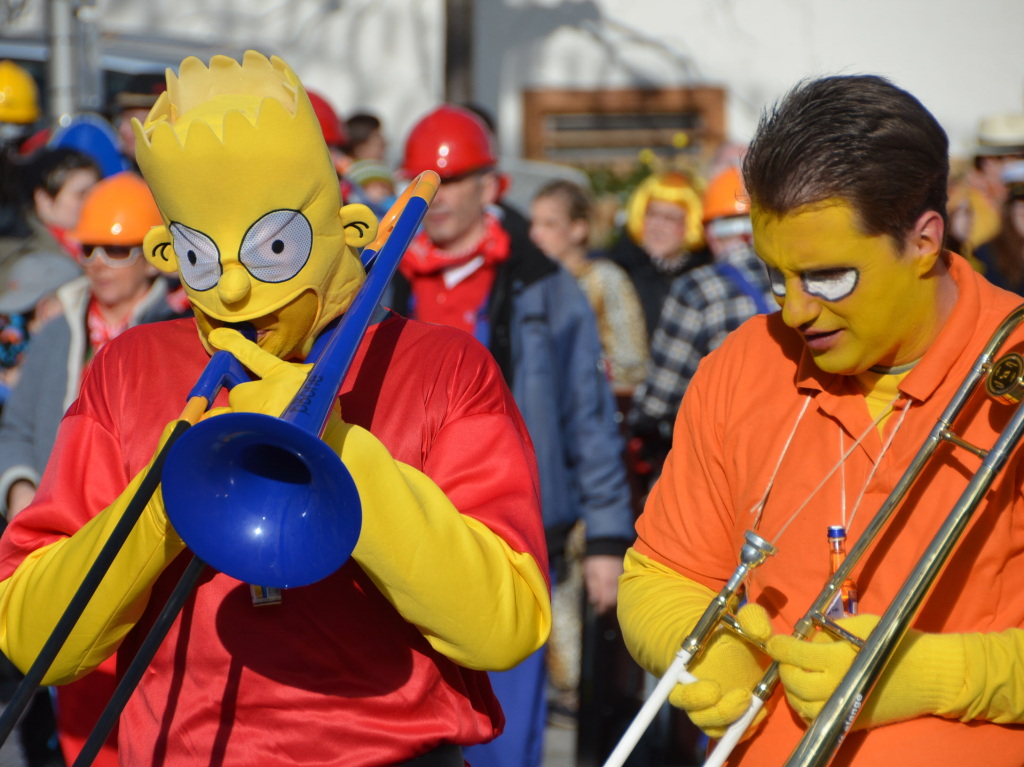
[857, 300]
[254, 224]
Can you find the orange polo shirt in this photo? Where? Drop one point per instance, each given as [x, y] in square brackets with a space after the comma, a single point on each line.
[731, 431]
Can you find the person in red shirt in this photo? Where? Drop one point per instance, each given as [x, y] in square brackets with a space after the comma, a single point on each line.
[806, 419]
[380, 662]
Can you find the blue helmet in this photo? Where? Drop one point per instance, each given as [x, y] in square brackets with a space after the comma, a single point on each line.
[94, 136]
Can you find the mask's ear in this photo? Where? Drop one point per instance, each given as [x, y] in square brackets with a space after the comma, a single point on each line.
[360, 225]
[158, 250]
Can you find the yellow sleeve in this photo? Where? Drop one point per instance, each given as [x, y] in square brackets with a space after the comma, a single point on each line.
[35, 596]
[475, 599]
[993, 685]
[658, 607]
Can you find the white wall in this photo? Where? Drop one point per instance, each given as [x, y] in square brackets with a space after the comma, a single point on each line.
[963, 59]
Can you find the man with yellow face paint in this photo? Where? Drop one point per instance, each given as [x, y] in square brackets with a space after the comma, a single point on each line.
[805, 419]
[381, 662]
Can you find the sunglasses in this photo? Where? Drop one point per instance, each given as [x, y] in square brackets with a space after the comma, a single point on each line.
[114, 256]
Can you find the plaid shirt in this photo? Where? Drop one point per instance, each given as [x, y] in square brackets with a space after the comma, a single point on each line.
[703, 306]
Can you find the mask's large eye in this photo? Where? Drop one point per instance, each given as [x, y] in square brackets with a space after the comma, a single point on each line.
[830, 284]
[777, 282]
[277, 246]
[198, 257]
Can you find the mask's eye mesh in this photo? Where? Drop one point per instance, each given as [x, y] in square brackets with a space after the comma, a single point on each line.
[277, 246]
[198, 257]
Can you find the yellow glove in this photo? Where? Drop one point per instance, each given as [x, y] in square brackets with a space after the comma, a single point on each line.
[278, 381]
[727, 671]
[658, 607]
[925, 675]
[33, 599]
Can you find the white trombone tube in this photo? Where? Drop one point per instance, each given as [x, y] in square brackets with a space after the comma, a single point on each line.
[733, 734]
[675, 674]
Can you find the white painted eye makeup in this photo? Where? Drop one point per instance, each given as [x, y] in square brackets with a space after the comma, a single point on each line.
[830, 284]
[777, 282]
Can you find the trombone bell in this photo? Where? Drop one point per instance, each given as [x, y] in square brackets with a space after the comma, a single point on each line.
[262, 500]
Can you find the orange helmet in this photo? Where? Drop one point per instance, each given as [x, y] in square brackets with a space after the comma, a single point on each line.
[450, 140]
[119, 210]
[725, 196]
[330, 125]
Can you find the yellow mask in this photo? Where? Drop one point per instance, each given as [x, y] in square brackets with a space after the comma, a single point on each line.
[251, 204]
[857, 300]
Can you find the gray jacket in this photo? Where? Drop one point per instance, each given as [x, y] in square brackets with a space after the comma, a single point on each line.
[49, 381]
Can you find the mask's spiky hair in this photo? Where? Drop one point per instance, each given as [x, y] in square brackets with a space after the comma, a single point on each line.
[224, 104]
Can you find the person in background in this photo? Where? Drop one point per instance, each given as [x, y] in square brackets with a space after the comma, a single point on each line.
[29, 301]
[133, 102]
[335, 135]
[704, 305]
[365, 138]
[19, 112]
[1000, 142]
[119, 289]
[805, 419]
[663, 238]
[560, 227]
[371, 184]
[1002, 257]
[467, 271]
[54, 185]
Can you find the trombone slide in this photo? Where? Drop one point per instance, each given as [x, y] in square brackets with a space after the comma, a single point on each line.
[754, 552]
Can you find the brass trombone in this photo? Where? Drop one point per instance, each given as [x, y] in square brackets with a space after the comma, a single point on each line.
[1004, 380]
[293, 437]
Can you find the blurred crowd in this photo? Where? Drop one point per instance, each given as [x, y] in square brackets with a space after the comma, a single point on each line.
[678, 274]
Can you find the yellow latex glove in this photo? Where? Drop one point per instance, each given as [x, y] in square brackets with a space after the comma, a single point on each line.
[658, 607]
[277, 381]
[33, 599]
[926, 675]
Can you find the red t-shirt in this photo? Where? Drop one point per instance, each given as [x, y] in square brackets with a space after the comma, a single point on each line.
[333, 675]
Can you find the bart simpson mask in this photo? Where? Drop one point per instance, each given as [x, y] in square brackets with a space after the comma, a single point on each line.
[251, 204]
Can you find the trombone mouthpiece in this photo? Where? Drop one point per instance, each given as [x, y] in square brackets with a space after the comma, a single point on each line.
[756, 550]
[245, 328]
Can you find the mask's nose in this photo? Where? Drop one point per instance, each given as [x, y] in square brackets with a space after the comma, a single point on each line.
[234, 285]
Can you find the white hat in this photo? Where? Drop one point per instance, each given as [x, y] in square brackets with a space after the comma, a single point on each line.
[34, 276]
[1001, 134]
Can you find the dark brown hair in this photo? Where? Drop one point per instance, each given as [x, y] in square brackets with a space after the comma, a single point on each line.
[577, 202]
[857, 138]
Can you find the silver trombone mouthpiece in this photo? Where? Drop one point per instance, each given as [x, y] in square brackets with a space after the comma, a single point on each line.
[756, 550]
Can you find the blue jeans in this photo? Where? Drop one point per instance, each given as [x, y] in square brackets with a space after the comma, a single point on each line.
[523, 698]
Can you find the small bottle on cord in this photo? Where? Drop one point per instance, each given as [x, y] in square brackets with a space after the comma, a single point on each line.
[846, 604]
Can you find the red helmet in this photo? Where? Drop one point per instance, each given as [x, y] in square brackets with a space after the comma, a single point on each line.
[451, 141]
[334, 134]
